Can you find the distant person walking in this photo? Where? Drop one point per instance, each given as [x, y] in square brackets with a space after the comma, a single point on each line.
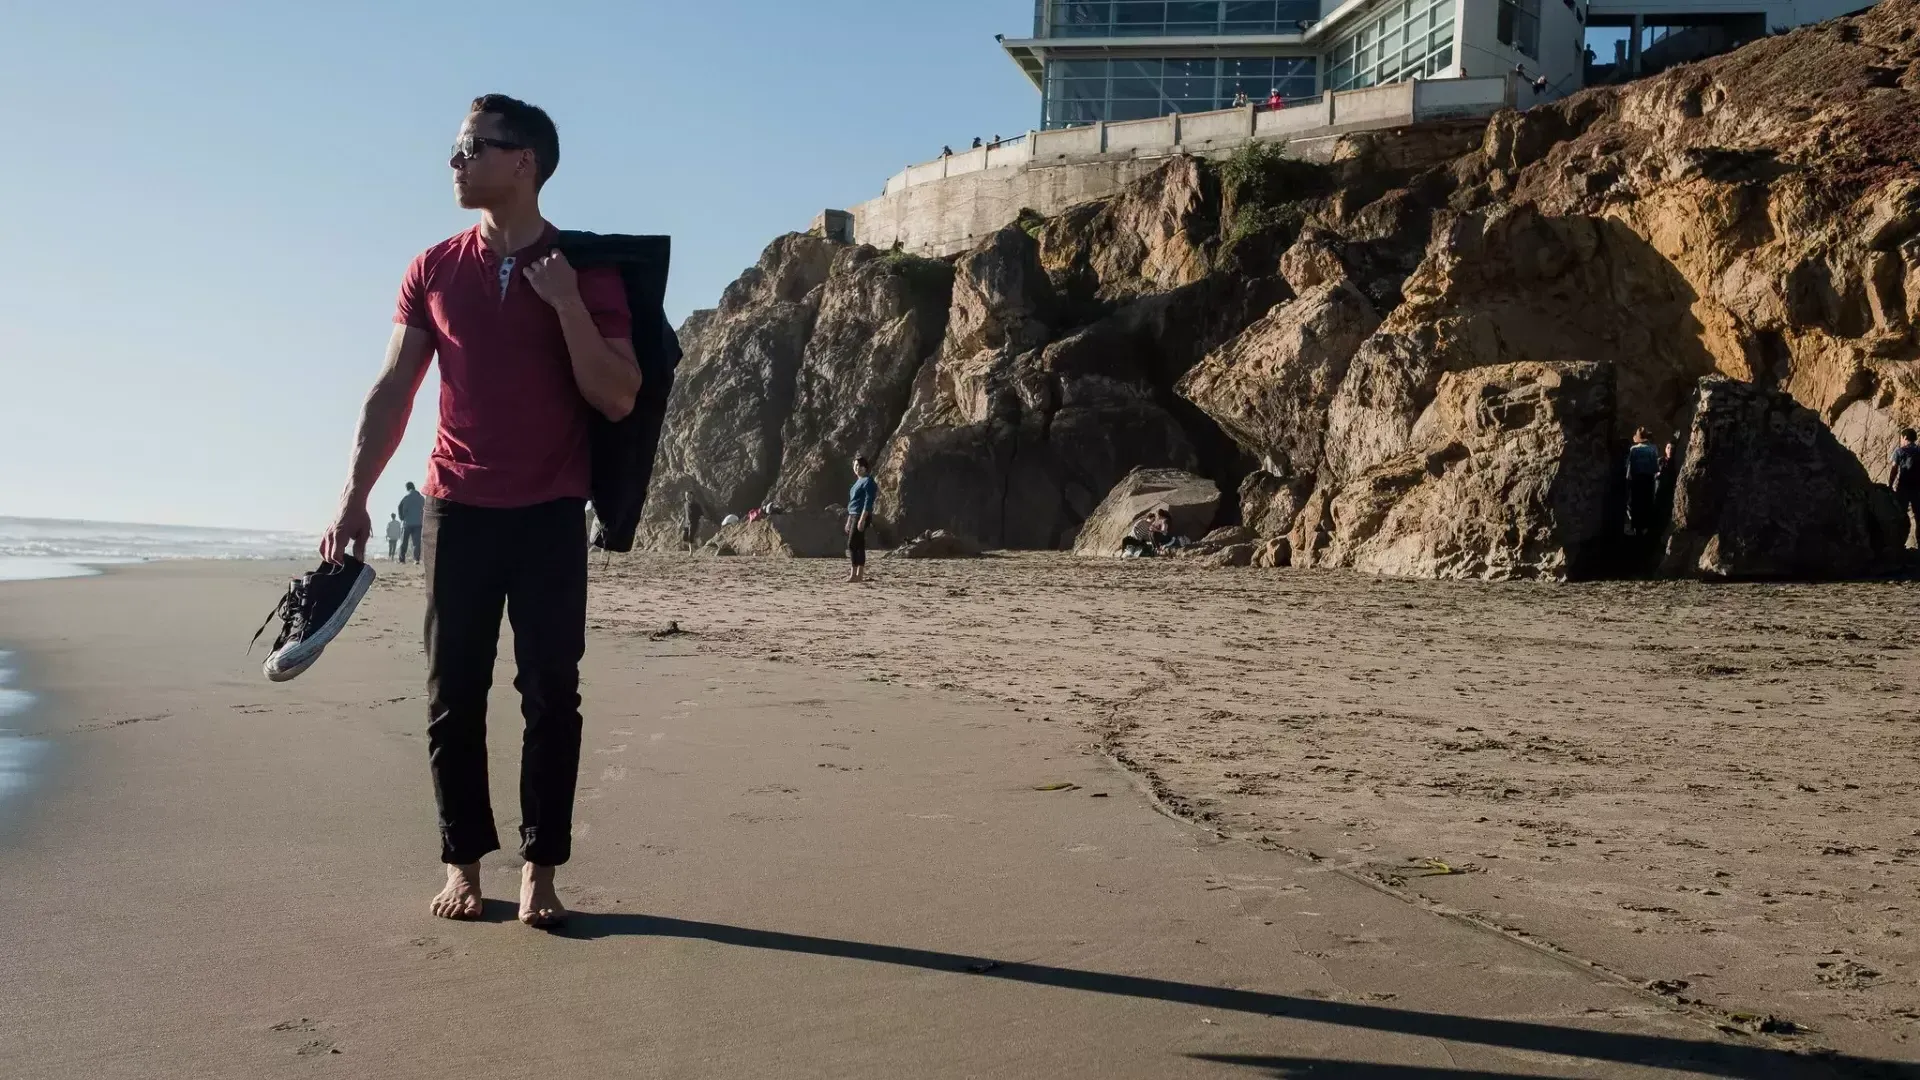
[413, 507]
[689, 522]
[1904, 475]
[860, 502]
[1643, 483]
[395, 531]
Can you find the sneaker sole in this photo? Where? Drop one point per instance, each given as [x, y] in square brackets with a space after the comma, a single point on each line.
[294, 659]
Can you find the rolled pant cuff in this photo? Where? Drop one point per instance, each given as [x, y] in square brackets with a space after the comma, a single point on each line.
[467, 853]
[548, 852]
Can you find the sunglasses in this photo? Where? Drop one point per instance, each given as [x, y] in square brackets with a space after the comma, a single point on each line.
[468, 147]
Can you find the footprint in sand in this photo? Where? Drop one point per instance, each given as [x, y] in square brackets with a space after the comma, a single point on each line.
[614, 772]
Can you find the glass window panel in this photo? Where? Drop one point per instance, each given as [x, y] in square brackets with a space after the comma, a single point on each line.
[1204, 14]
[1290, 12]
[1131, 16]
[1256, 17]
[1077, 90]
[1082, 18]
[1134, 110]
[1243, 70]
[1136, 88]
[1136, 69]
[1191, 69]
[1077, 69]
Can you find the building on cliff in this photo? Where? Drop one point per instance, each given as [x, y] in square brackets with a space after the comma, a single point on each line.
[1119, 60]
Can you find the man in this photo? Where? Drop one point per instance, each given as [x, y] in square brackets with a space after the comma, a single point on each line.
[394, 531]
[412, 507]
[690, 522]
[527, 347]
[1643, 479]
[1904, 476]
[859, 515]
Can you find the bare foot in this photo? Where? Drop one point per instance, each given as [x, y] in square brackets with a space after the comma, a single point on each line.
[461, 898]
[540, 905]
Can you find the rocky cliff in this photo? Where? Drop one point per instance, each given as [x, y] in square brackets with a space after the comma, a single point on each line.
[1424, 357]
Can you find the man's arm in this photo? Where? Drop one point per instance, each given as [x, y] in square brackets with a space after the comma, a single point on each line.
[383, 420]
[605, 369]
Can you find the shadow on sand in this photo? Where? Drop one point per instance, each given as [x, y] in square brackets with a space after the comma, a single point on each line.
[1731, 1059]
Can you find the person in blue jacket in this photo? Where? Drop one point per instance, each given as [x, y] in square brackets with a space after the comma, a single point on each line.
[859, 515]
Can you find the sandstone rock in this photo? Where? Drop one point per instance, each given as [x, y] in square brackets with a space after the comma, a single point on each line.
[937, 544]
[1270, 504]
[1193, 501]
[1233, 555]
[1766, 491]
[881, 317]
[803, 534]
[1269, 388]
[1508, 479]
[734, 390]
[1273, 553]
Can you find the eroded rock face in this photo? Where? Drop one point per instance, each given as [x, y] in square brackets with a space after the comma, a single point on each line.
[1766, 491]
[1192, 501]
[806, 362]
[1424, 357]
[1506, 477]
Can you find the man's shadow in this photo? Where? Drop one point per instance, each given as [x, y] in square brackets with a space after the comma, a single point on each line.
[1731, 1059]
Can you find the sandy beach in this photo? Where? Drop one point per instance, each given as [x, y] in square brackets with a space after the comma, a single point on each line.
[835, 832]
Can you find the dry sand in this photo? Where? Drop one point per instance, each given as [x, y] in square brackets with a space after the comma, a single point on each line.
[790, 866]
[1703, 785]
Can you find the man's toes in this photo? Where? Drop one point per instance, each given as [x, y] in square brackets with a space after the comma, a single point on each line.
[471, 907]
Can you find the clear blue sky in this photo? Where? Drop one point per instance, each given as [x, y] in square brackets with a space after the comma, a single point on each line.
[206, 209]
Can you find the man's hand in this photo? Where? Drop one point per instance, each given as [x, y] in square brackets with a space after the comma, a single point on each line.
[555, 280]
[349, 531]
[848, 527]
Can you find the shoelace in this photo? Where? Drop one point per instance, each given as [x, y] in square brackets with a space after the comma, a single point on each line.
[291, 610]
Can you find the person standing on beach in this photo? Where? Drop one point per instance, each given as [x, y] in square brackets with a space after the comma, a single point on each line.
[859, 515]
[690, 522]
[412, 508]
[395, 531]
[529, 349]
[1904, 475]
[1643, 479]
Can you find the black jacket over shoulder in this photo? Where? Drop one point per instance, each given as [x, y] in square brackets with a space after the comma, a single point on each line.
[623, 449]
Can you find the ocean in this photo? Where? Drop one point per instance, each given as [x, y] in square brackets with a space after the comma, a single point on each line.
[38, 548]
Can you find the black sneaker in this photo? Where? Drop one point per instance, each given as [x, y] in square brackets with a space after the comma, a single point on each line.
[312, 613]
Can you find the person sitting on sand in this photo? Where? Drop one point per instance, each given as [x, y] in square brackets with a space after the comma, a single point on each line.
[1138, 543]
[1164, 539]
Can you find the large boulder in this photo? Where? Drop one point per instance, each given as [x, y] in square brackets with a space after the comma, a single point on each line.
[1269, 387]
[1766, 491]
[1192, 501]
[802, 534]
[1508, 479]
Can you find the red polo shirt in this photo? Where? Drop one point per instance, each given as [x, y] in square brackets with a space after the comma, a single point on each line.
[513, 426]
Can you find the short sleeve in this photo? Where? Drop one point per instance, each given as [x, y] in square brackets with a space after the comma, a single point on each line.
[605, 294]
[411, 310]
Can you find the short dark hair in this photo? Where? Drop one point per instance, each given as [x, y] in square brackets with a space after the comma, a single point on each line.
[861, 461]
[1907, 434]
[528, 125]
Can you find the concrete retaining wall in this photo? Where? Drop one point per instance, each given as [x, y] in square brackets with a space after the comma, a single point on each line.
[946, 206]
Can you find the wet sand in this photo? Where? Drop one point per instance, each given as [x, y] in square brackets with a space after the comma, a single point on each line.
[788, 862]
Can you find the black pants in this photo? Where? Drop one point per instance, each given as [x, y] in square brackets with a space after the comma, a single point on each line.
[410, 535]
[533, 562]
[1909, 505]
[1640, 502]
[857, 545]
